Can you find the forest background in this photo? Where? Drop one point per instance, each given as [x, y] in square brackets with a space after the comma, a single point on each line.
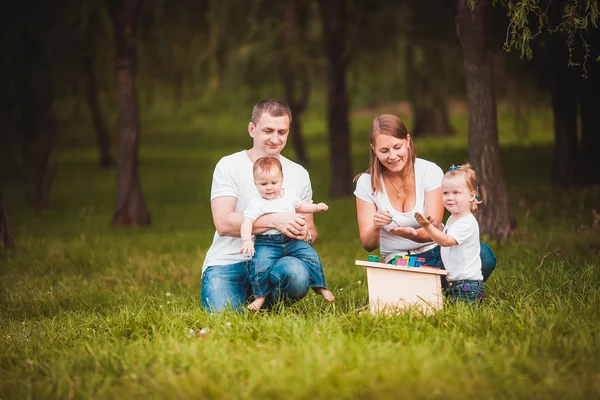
[115, 113]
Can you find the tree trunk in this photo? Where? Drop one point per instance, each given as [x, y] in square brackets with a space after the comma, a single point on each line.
[333, 20]
[105, 158]
[590, 129]
[292, 72]
[217, 15]
[484, 148]
[37, 121]
[563, 88]
[5, 237]
[131, 208]
[426, 91]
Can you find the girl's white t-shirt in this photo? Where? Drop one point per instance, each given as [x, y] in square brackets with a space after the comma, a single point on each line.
[260, 206]
[463, 261]
[428, 177]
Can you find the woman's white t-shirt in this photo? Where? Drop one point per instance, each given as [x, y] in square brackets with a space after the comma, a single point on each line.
[428, 177]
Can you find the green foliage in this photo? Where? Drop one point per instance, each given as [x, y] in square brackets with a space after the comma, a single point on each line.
[90, 311]
[529, 18]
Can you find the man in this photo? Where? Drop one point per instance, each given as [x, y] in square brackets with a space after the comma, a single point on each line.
[225, 280]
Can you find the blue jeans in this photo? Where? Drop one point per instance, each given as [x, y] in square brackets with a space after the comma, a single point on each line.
[488, 259]
[270, 248]
[469, 291]
[229, 285]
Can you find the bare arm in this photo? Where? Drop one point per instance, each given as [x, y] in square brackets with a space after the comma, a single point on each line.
[367, 228]
[311, 208]
[228, 222]
[246, 229]
[438, 236]
[433, 208]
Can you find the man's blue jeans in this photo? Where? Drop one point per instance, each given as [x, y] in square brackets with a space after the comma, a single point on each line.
[226, 286]
[269, 249]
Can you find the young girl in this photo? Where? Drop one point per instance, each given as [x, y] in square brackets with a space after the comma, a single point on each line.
[459, 240]
[272, 245]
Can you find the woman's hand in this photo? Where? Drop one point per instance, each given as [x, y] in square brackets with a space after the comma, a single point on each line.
[405, 232]
[381, 219]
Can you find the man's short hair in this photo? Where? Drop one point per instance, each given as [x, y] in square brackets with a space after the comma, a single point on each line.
[265, 164]
[274, 108]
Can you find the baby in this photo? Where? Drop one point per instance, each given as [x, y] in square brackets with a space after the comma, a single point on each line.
[272, 245]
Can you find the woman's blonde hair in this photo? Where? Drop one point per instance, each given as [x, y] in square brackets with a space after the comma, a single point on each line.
[470, 179]
[390, 125]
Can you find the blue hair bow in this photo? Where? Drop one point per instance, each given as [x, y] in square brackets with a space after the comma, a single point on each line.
[453, 167]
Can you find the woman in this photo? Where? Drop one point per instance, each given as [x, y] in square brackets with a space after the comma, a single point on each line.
[394, 187]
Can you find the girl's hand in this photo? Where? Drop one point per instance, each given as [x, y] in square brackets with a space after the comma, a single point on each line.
[247, 248]
[405, 232]
[322, 207]
[424, 222]
[381, 219]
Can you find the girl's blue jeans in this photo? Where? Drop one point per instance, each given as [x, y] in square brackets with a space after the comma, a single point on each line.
[488, 259]
[269, 249]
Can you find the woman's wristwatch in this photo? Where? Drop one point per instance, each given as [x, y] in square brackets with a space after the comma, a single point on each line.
[310, 237]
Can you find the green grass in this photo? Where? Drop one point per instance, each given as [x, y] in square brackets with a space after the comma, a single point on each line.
[89, 311]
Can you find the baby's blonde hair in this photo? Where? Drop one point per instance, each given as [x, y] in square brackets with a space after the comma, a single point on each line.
[470, 179]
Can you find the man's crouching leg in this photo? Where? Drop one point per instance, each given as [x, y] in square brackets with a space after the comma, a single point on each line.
[289, 279]
[225, 287]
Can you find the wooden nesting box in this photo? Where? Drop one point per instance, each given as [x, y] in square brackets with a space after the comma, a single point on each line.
[394, 287]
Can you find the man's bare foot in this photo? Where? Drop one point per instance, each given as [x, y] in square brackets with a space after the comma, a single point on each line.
[327, 295]
[256, 304]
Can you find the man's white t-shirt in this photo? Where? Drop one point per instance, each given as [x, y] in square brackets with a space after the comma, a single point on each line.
[428, 177]
[288, 202]
[233, 177]
[463, 261]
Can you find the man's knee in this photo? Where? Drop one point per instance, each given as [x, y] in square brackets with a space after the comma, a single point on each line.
[220, 292]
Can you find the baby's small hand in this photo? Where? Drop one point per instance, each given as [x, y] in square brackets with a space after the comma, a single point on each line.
[247, 248]
[322, 207]
[422, 220]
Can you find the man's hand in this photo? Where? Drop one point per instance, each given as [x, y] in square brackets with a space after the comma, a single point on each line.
[292, 225]
[247, 248]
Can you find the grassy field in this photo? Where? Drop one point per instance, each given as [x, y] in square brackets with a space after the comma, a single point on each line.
[89, 311]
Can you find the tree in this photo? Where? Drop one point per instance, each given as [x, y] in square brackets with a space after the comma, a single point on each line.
[472, 26]
[293, 70]
[569, 37]
[5, 237]
[105, 158]
[333, 21]
[428, 46]
[131, 208]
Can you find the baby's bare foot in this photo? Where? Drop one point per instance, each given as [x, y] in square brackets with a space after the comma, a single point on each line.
[256, 304]
[327, 295]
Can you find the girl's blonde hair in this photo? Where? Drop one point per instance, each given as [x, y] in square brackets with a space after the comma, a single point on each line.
[470, 179]
[390, 125]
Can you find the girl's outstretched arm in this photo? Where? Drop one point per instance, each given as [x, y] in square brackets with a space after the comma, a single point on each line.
[438, 236]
